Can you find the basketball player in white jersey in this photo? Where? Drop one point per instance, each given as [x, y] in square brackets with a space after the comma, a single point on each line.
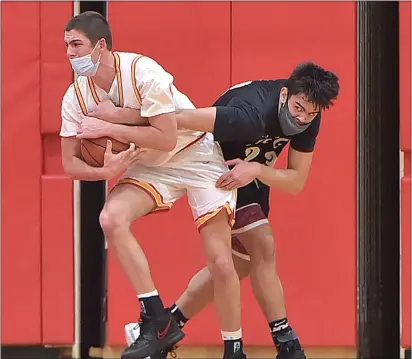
[171, 163]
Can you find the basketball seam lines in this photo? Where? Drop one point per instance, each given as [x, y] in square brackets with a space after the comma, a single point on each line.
[88, 139]
[97, 162]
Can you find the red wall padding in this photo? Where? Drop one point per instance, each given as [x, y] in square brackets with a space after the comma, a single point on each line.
[405, 113]
[315, 232]
[21, 170]
[191, 40]
[325, 227]
[37, 232]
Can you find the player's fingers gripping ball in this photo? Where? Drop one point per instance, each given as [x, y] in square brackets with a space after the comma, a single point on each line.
[93, 149]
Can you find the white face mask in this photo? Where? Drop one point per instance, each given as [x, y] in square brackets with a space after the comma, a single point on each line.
[84, 66]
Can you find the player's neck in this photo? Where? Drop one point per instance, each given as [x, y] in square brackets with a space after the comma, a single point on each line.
[106, 72]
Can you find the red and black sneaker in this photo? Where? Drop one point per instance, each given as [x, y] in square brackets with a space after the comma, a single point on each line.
[156, 335]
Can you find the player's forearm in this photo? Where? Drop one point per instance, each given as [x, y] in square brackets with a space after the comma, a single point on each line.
[201, 119]
[127, 116]
[77, 169]
[143, 136]
[285, 180]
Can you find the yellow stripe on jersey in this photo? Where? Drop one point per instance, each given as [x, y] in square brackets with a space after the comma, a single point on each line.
[150, 190]
[80, 97]
[93, 90]
[119, 79]
[136, 91]
[201, 221]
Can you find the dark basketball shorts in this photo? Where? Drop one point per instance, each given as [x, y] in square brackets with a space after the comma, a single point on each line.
[252, 210]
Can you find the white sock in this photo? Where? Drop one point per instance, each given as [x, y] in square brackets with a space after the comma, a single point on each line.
[148, 295]
[232, 335]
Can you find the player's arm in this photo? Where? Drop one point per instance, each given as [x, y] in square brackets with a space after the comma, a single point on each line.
[227, 123]
[107, 111]
[161, 134]
[153, 84]
[76, 168]
[292, 179]
[201, 119]
[73, 165]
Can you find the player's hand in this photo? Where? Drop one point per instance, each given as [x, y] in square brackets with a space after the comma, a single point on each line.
[240, 175]
[92, 127]
[114, 163]
[105, 110]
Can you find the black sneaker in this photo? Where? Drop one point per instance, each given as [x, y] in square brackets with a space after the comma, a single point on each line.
[163, 354]
[159, 355]
[156, 334]
[236, 355]
[290, 350]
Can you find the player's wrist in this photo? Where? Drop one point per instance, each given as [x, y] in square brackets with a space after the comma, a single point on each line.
[257, 169]
[108, 130]
[105, 173]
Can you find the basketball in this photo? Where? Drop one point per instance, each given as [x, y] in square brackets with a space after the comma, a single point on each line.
[93, 149]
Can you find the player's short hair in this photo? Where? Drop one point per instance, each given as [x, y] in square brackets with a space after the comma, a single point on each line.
[320, 87]
[93, 25]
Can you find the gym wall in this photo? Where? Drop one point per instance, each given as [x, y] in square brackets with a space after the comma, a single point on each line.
[207, 46]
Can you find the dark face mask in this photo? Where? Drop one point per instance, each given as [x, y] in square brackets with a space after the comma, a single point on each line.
[288, 124]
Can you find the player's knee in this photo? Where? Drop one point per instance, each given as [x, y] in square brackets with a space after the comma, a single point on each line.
[262, 250]
[221, 267]
[113, 221]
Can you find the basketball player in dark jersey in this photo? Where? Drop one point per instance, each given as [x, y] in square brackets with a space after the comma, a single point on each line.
[253, 122]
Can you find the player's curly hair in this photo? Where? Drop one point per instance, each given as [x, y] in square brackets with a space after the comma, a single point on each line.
[320, 87]
[93, 25]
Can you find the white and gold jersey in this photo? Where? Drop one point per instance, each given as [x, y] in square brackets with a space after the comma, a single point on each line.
[140, 83]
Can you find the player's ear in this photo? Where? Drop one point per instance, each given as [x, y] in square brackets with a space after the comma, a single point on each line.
[102, 45]
[283, 94]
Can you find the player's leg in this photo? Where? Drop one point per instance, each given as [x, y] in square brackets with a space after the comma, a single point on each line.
[259, 244]
[198, 294]
[213, 209]
[129, 200]
[124, 205]
[199, 291]
[216, 240]
[253, 240]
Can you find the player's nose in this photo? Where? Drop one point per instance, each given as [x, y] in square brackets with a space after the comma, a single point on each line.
[70, 53]
[300, 119]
